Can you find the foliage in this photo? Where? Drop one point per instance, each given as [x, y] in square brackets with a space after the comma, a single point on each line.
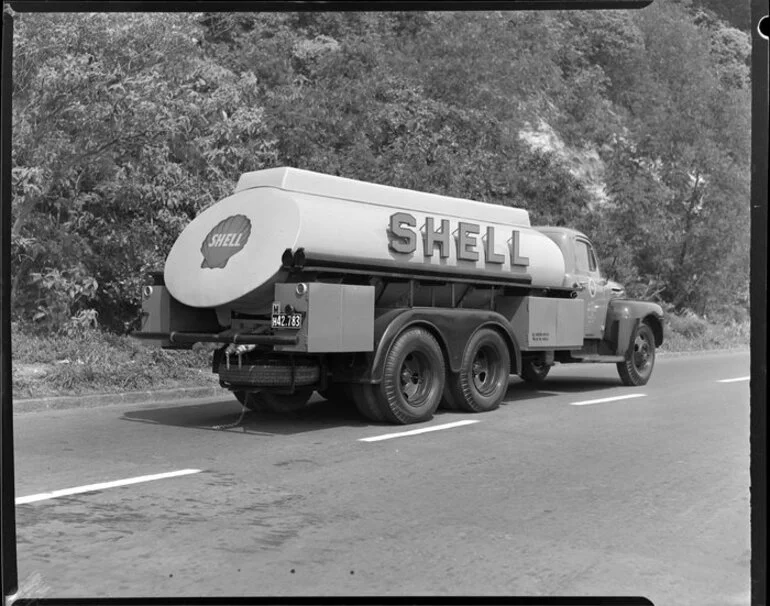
[123, 131]
[736, 12]
[687, 324]
[128, 125]
[692, 334]
[95, 361]
[679, 182]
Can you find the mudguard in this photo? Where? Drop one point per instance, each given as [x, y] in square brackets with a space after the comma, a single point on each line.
[622, 318]
[451, 327]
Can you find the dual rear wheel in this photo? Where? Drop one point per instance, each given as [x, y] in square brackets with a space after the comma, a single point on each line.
[416, 382]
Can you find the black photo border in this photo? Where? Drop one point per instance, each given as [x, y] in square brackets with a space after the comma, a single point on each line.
[758, 285]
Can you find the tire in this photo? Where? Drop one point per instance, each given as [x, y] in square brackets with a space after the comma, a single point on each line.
[263, 401]
[482, 382]
[339, 395]
[270, 373]
[252, 402]
[282, 403]
[365, 399]
[637, 368]
[412, 383]
[534, 371]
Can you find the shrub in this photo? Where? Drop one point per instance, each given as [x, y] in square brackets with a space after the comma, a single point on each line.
[687, 324]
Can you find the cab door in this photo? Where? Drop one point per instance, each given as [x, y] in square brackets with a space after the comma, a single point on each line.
[591, 287]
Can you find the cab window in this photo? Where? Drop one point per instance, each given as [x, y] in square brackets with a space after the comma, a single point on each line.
[585, 261]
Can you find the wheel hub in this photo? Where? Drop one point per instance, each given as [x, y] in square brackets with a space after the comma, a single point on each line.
[641, 352]
[412, 378]
[483, 377]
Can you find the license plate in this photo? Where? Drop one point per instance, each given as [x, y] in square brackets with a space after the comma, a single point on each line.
[293, 320]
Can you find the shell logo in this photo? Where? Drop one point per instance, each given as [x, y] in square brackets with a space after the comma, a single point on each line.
[226, 239]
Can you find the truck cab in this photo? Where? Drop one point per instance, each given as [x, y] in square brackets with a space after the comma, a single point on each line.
[610, 319]
[583, 274]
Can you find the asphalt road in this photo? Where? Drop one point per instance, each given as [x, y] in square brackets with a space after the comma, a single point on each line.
[647, 496]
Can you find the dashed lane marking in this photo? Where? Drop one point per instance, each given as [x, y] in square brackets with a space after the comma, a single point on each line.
[414, 432]
[733, 380]
[44, 496]
[612, 399]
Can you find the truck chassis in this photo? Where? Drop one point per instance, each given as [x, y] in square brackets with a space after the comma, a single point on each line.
[424, 353]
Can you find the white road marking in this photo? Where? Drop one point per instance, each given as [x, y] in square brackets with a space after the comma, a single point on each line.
[43, 496]
[733, 380]
[414, 432]
[612, 399]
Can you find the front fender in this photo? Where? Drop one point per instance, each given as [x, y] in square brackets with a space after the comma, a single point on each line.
[622, 318]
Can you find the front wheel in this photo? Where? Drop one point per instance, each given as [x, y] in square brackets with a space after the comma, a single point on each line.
[637, 368]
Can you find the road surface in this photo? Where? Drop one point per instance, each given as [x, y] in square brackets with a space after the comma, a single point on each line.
[565, 490]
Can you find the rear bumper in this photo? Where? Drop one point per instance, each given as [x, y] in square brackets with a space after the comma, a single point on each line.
[183, 338]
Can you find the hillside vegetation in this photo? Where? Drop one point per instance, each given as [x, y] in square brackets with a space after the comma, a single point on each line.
[632, 126]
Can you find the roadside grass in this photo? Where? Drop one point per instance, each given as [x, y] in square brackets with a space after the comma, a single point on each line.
[689, 332]
[93, 361]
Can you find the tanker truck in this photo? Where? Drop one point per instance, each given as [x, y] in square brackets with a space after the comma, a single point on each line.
[391, 300]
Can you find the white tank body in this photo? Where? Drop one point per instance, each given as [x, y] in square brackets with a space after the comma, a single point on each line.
[232, 252]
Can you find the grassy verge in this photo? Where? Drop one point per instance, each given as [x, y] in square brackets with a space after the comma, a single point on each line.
[98, 362]
[688, 332]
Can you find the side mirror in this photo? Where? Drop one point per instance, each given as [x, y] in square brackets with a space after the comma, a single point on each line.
[616, 289]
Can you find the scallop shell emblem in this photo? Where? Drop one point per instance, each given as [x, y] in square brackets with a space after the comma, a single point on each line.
[226, 239]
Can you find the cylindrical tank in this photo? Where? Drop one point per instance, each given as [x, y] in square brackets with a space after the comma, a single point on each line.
[232, 251]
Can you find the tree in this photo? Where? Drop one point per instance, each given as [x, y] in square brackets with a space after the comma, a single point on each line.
[123, 131]
[689, 149]
[126, 126]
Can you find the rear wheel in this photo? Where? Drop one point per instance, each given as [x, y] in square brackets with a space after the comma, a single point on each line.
[482, 381]
[534, 371]
[251, 401]
[279, 402]
[413, 378]
[412, 383]
[339, 394]
[637, 368]
[365, 398]
[265, 401]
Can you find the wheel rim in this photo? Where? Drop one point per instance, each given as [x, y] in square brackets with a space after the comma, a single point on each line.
[643, 353]
[485, 370]
[415, 378]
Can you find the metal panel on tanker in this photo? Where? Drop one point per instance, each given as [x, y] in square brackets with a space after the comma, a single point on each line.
[544, 323]
[355, 232]
[341, 188]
